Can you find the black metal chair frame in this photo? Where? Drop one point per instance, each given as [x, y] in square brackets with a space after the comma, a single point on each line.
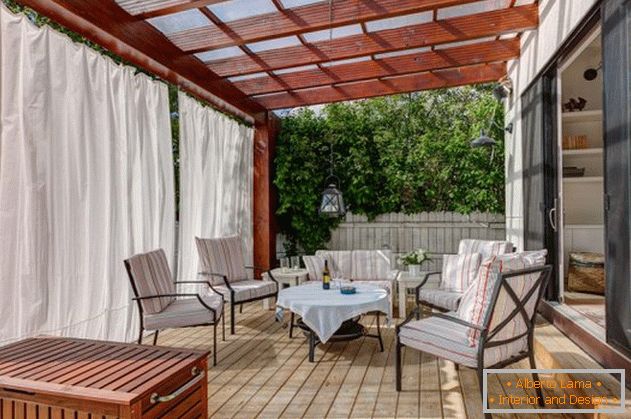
[487, 335]
[233, 304]
[139, 300]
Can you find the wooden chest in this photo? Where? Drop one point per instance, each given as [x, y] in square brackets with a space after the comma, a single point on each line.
[48, 377]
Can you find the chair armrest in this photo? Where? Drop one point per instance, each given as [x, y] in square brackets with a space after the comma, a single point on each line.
[459, 321]
[269, 273]
[417, 290]
[199, 299]
[203, 282]
[222, 276]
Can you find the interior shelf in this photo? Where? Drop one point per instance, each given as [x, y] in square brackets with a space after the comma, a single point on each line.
[583, 151]
[583, 116]
[584, 179]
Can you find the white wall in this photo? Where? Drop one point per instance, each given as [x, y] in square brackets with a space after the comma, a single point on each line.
[558, 18]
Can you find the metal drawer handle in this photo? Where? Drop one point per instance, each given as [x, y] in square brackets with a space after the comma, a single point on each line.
[197, 377]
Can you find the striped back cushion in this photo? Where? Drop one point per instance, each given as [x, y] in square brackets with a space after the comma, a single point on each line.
[222, 256]
[459, 271]
[340, 263]
[477, 298]
[315, 266]
[151, 276]
[487, 248]
[371, 265]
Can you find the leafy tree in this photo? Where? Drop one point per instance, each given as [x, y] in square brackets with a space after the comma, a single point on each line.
[407, 153]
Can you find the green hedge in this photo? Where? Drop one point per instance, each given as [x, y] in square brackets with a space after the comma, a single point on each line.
[407, 153]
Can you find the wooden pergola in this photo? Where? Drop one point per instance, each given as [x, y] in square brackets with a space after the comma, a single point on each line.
[249, 57]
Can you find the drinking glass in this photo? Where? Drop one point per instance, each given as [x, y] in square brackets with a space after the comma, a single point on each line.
[284, 264]
[295, 262]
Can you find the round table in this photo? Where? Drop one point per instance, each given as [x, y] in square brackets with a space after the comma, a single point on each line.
[329, 315]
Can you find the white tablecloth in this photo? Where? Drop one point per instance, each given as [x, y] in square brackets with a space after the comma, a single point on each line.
[324, 311]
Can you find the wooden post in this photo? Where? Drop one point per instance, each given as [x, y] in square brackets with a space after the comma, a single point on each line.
[264, 229]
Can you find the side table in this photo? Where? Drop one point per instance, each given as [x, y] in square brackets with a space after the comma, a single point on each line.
[405, 282]
[287, 278]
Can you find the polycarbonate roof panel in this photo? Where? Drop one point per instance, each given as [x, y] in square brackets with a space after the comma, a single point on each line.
[463, 43]
[218, 54]
[288, 41]
[472, 8]
[401, 53]
[288, 4]
[340, 32]
[296, 69]
[177, 22]
[247, 77]
[240, 9]
[349, 61]
[135, 7]
[399, 22]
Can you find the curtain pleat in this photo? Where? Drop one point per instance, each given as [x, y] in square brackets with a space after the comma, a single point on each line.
[215, 181]
[86, 180]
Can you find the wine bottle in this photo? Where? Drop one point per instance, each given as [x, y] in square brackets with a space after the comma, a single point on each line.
[326, 276]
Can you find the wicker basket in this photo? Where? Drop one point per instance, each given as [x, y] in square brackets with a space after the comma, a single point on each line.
[574, 142]
[586, 273]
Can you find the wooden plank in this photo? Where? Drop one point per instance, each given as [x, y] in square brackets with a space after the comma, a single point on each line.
[299, 20]
[424, 35]
[372, 88]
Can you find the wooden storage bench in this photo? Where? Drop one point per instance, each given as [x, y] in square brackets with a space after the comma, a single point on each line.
[47, 377]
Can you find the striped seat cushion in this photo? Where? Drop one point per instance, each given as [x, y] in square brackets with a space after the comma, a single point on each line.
[314, 266]
[151, 275]
[340, 262]
[477, 298]
[248, 290]
[184, 313]
[448, 340]
[485, 247]
[459, 271]
[371, 265]
[447, 300]
[222, 256]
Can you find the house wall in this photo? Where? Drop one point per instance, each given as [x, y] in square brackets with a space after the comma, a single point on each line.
[558, 18]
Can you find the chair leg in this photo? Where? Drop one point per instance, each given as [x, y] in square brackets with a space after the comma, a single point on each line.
[457, 366]
[214, 344]
[223, 325]
[155, 338]
[291, 325]
[240, 308]
[480, 381]
[140, 336]
[232, 318]
[311, 346]
[397, 364]
[535, 376]
[379, 333]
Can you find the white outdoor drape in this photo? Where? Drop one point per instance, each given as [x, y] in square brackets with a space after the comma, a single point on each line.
[215, 181]
[86, 180]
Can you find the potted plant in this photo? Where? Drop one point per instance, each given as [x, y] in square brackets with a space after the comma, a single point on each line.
[414, 260]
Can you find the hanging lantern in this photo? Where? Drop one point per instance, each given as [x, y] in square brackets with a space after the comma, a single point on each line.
[483, 141]
[332, 203]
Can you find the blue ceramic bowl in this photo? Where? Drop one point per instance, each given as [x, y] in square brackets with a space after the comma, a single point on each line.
[348, 290]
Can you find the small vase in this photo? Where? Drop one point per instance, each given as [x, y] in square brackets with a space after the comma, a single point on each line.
[414, 270]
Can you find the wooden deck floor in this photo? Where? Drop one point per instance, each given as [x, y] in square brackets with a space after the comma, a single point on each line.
[263, 373]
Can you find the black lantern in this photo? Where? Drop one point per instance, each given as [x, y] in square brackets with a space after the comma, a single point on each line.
[483, 141]
[332, 203]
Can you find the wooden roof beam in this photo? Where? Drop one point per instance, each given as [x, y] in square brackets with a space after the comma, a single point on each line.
[483, 52]
[457, 29]
[139, 43]
[303, 19]
[176, 8]
[389, 86]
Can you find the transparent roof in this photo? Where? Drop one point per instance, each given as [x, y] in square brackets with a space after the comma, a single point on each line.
[219, 54]
[399, 22]
[297, 3]
[231, 10]
[463, 43]
[472, 8]
[247, 77]
[401, 53]
[296, 69]
[135, 7]
[349, 61]
[177, 22]
[340, 32]
[289, 41]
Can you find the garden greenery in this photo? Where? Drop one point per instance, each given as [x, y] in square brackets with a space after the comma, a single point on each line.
[406, 153]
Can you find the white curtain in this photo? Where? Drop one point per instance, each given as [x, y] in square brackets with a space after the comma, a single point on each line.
[215, 181]
[86, 180]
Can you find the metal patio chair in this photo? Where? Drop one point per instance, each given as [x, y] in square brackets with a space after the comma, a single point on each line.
[161, 306]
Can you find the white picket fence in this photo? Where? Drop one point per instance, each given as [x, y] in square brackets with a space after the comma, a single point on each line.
[438, 232]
